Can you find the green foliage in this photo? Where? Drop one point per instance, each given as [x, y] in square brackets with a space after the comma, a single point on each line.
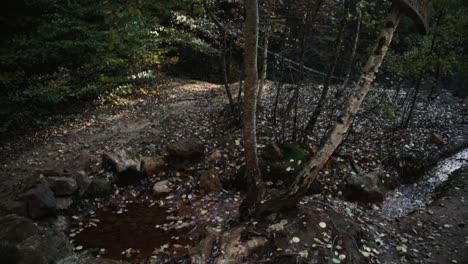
[58, 51]
[440, 53]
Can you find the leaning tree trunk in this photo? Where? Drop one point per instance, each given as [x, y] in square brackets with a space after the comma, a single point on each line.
[335, 136]
[255, 186]
[331, 70]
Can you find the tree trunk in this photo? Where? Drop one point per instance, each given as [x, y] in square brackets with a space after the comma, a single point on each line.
[226, 77]
[278, 91]
[310, 19]
[331, 70]
[353, 52]
[263, 73]
[335, 136]
[255, 186]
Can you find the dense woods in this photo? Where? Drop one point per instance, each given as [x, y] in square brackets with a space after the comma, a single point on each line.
[229, 131]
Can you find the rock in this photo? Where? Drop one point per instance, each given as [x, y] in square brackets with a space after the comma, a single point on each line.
[152, 165]
[365, 187]
[273, 152]
[23, 242]
[63, 203]
[81, 162]
[99, 187]
[437, 139]
[54, 169]
[162, 187]
[126, 166]
[40, 201]
[9, 253]
[209, 182]
[62, 186]
[82, 180]
[48, 246]
[16, 229]
[87, 258]
[186, 149]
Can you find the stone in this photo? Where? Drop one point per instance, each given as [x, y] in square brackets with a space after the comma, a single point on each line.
[63, 203]
[40, 201]
[54, 168]
[16, 229]
[82, 162]
[125, 165]
[437, 139]
[62, 186]
[9, 253]
[99, 187]
[186, 149]
[365, 187]
[82, 180]
[48, 246]
[162, 187]
[273, 152]
[209, 182]
[23, 242]
[152, 165]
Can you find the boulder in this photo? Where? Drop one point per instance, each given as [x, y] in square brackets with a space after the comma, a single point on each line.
[82, 162]
[47, 247]
[23, 242]
[209, 182]
[62, 186]
[82, 180]
[99, 187]
[39, 201]
[186, 149]
[365, 187]
[125, 165]
[162, 187]
[63, 203]
[273, 152]
[152, 165]
[16, 229]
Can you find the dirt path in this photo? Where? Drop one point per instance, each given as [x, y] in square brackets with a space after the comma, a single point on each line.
[141, 123]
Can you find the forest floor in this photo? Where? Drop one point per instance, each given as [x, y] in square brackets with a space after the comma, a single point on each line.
[326, 227]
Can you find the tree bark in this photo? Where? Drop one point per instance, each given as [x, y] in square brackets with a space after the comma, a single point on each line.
[335, 136]
[310, 19]
[263, 73]
[279, 85]
[226, 77]
[353, 52]
[255, 185]
[331, 70]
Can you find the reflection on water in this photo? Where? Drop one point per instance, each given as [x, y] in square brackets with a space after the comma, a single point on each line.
[408, 198]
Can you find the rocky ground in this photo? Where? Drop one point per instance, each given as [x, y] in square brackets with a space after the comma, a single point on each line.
[155, 177]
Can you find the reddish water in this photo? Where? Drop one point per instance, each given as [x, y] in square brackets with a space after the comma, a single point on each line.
[134, 229]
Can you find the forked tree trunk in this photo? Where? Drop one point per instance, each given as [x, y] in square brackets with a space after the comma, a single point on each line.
[255, 186]
[336, 135]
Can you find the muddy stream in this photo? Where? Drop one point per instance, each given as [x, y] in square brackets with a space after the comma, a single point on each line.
[408, 198]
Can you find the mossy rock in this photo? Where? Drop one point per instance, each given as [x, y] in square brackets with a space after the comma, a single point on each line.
[283, 169]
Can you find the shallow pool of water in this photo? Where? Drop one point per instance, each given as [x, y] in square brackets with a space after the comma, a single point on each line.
[407, 198]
